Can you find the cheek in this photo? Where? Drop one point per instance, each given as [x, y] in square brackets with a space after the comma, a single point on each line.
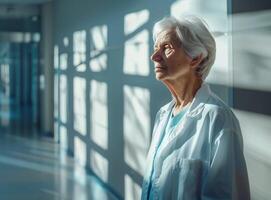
[178, 65]
[174, 59]
[182, 60]
[171, 59]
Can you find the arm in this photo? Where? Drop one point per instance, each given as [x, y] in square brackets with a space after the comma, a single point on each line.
[227, 174]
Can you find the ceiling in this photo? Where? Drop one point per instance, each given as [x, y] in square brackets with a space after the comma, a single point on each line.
[23, 1]
[11, 11]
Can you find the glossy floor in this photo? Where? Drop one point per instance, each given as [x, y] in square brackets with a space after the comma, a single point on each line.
[36, 169]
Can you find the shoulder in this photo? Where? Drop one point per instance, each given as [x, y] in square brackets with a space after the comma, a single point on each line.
[219, 113]
[217, 108]
[210, 105]
[221, 118]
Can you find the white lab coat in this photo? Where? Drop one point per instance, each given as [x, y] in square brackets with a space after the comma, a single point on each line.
[203, 157]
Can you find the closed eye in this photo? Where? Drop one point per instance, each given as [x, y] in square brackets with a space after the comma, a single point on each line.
[167, 48]
[163, 47]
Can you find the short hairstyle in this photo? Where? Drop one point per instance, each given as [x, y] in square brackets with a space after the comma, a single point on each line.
[195, 39]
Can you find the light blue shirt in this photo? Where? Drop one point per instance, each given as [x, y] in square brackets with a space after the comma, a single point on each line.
[202, 157]
[173, 121]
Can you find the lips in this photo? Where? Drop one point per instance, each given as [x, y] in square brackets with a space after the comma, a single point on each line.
[159, 68]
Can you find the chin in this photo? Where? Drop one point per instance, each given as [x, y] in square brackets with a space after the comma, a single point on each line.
[161, 74]
[160, 77]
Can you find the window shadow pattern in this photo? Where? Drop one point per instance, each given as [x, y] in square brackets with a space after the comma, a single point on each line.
[104, 88]
[106, 97]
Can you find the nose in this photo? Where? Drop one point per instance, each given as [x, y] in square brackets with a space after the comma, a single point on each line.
[156, 56]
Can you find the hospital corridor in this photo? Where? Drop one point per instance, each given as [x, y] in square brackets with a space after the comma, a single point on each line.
[79, 96]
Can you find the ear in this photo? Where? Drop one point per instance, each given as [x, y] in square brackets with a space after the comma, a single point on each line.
[196, 61]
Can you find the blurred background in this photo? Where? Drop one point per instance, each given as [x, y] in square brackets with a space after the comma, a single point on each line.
[78, 95]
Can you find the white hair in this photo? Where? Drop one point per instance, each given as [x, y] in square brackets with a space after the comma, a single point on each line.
[195, 39]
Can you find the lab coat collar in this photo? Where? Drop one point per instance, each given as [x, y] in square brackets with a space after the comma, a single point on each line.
[199, 100]
[194, 109]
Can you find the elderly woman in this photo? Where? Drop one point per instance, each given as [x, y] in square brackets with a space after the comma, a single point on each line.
[197, 148]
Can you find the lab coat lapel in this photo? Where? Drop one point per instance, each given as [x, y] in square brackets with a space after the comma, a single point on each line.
[159, 131]
[193, 111]
[161, 126]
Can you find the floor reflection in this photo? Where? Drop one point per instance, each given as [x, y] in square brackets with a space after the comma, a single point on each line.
[33, 168]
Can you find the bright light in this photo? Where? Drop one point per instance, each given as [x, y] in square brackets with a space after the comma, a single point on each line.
[63, 61]
[56, 57]
[98, 59]
[80, 151]
[63, 96]
[99, 114]
[132, 190]
[136, 48]
[135, 20]
[136, 126]
[79, 49]
[99, 164]
[79, 105]
[66, 41]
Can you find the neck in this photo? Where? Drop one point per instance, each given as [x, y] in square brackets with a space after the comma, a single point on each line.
[183, 90]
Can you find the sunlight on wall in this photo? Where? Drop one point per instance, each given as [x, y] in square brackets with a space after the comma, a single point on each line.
[221, 70]
[135, 20]
[98, 59]
[251, 50]
[66, 41]
[80, 151]
[212, 11]
[79, 50]
[132, 190]
[99, 165]
[56, 65]
[79, 104]
[63, 61]
[56, 57]
[56, 131]
[99, 114]
[63, 137]
[136, 126]
[63, 95]
[56, 109]
[136, 48]
[56, 90]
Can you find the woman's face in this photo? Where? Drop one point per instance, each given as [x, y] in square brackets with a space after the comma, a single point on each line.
[170, 60]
